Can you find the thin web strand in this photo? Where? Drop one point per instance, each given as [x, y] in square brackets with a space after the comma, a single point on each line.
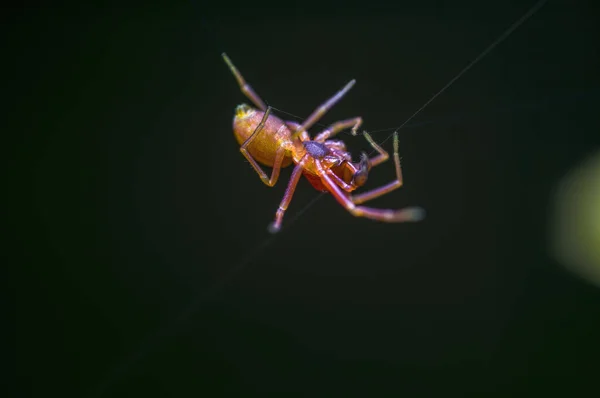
[499, 40]
[526, 105]
[202, 299]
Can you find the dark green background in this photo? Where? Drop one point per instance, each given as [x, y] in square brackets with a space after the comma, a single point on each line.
[137, 220]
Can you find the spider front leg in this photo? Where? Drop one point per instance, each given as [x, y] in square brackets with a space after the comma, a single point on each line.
[275, 226]
[337, 127]
[245, 87]
[382, 154]
[382, 157]
[407, 214]
[279, 154]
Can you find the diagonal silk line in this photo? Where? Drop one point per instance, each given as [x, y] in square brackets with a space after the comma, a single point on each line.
[485, 52]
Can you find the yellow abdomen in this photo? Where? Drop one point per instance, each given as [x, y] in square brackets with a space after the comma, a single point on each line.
[273, 135]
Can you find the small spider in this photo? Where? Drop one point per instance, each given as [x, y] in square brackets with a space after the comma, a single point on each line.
[270, 141]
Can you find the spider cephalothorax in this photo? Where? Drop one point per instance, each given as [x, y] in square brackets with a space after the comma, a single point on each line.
[317, 150]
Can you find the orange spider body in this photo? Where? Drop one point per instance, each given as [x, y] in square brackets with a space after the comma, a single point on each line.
[275, 134]
[268, 140]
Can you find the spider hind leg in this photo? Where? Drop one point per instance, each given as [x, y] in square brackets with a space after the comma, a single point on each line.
[279, 155]
[245, 87]
[275, 226]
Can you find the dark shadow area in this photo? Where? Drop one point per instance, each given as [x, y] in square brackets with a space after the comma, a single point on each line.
[136, 220]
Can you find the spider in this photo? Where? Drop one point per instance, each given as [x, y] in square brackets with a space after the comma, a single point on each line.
[328, 166]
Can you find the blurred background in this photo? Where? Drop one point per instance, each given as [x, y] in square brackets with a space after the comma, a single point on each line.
[144, 265]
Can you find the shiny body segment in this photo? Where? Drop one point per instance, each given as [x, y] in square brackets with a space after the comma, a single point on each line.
[275, 134]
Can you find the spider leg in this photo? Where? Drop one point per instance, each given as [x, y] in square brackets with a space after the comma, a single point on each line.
[293, 126]
[407, 214]
[336, 145]
[245, 87]
[322, 109]
[383, 156]
[279, 155]
[337, 127]
[382, 153]
[341, 183]
[275, 226]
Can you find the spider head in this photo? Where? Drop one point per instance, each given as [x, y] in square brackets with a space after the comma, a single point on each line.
[243, 111]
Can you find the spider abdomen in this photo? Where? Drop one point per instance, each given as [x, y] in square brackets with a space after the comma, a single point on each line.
[274, 134]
